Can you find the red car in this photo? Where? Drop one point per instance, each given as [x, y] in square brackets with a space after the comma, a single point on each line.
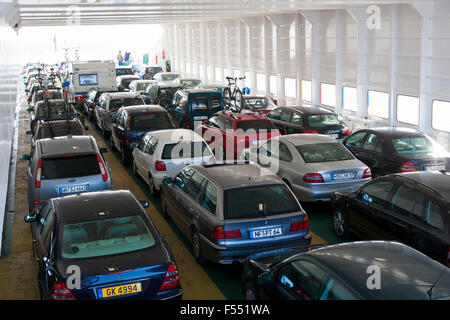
[237, 131]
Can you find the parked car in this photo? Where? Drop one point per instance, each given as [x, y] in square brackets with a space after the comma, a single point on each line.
[57, 128]
[188, 83]
[109, 103]
[47, 94]
[166, 76]
[65, 165]
[51, 110]
[124, 71]
[230, 211]
[148, 72]
[412, 208]
[230, 133]
[130, 124]
[139, 86]
[314, 166]
[391, 150]
[161, 94]
[308, 119]
[260, 104]
[193, 105]
[91, 102]
[165, 153]
[123, 82]
[110, 238]
[343, 271]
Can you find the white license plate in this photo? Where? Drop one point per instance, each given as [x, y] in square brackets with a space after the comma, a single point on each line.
[264, 233]
[435, 168]
[73, 189]
[335, 135]
[343, 176]
[201, 118]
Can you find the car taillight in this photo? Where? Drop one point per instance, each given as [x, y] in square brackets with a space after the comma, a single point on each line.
[61, 292]
[300, 225]
[102, 168]
[171, 279]
[367, 174]
[346, 130]
[79, 98]
[221, 233]
[310, 131]
[407, 167]
[313, 178]
[160, 166]
[37, 178]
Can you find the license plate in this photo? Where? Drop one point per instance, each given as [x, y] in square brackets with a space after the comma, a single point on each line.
[264, 233]
[119, 290]
[343, 176]
[201, 118]
[257, 142]
[334, 135]
[434, 168]
[73, 189]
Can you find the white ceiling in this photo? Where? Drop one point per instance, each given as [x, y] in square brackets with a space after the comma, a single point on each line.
[22, 13]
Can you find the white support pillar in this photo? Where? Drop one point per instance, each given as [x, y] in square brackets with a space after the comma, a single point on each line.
[267, 29]
[254, 25]
[314, 18]
[219, 53]
[204, 74]
[298, 58]
[340, 21]
[393, 88]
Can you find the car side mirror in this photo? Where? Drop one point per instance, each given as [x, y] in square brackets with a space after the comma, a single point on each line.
[265, 277]
[167, 180]
[28, 132]
[29, 218]
[103, 150]
[144, 203]
[25, 157]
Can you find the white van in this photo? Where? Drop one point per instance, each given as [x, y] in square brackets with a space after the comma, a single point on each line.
[86, 75]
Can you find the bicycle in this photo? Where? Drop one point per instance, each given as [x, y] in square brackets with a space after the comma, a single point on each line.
[233, 93]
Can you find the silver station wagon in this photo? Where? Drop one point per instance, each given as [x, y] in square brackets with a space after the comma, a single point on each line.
[65, 165]
[314, 166]
[230, 211]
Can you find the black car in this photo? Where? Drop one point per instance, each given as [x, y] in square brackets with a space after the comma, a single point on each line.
[366, 270]
[308, 119]
[161, 94]
[390, 150]
[112, 242]
[130, 124]
[91, 101]
[58, 128]
[413, 208]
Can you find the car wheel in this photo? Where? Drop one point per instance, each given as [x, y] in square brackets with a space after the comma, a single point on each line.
[124, 156]
[197, 248]
[151, 186]
[340, 223]
[250, 292]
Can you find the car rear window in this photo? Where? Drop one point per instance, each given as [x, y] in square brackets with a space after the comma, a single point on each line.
[69, 167]
[169, 77]
[412, 145]
[259, 201]
[324, 152]
[190, 83]
[259, 103]
[185, 150]
[141, 86]
[105, 237]
[60, 130]
[116, 104]
[200, 103]
[323, 120]
[151, 121]
[52, 110]
[123, 72]
[257, 125]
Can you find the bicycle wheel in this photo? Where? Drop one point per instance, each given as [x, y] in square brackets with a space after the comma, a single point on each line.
[227, 98]
[238, 100]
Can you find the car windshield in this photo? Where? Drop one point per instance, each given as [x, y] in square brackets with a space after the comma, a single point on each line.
[324, 152]
[190, 83]
[116, 104]
[259, 103]
[257, 125]
[182, 150]
[105, 237]
[323, 120]
[126, 82]
[259, 201]
[69, 167]
[151, 121]
[123, 71]
[141, 86]
[413, 145]
[169, 77]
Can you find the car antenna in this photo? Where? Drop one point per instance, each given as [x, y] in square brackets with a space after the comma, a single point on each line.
[430, 291]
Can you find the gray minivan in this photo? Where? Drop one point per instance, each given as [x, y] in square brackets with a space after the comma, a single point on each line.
[230, 211]
[65, 165]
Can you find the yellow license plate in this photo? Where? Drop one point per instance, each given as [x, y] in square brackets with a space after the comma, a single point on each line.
[119, 290]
